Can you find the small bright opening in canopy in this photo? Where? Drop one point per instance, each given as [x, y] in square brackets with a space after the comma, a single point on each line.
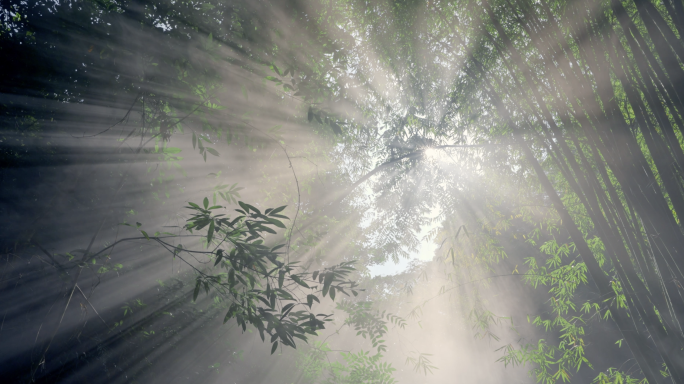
[433, 154]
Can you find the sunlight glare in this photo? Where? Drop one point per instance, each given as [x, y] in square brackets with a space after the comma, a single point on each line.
[433, 154]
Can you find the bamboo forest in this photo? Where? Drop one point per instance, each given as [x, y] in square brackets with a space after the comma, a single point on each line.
[342, 191]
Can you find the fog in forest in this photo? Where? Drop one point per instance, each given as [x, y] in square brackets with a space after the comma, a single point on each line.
[328, 191]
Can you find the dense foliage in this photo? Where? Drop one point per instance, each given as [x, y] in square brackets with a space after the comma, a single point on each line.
[537, 144]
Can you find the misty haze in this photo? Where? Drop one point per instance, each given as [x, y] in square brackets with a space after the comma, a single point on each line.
[342, 191]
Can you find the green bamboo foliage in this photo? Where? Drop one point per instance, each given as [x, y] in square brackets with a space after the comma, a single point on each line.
[569, 110]
[584, 96]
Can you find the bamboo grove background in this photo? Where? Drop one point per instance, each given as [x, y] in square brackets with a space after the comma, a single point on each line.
[539, 141]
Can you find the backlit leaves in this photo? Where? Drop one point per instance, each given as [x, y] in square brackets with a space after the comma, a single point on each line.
[254, 270]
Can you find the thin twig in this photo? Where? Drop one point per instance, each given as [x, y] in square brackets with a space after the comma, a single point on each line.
[294, 221]
[91, 306]
[115, 124]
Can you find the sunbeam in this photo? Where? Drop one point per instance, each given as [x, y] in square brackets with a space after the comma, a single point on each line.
[341, 191]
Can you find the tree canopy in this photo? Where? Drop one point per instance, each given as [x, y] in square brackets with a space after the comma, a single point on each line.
[526, 155]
